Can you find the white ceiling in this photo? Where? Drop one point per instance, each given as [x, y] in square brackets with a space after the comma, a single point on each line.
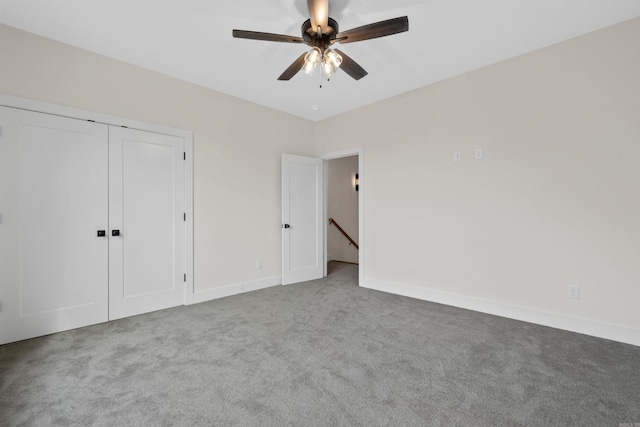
[191, 40]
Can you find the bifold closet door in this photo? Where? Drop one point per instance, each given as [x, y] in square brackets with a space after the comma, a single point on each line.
[146, 222]
[53, 202]
[91, 223]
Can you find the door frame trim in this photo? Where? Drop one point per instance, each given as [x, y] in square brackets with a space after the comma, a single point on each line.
[355, 151]
[108, 119]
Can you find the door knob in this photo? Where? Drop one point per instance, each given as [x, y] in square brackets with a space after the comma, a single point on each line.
[115, 232]
[102, 233]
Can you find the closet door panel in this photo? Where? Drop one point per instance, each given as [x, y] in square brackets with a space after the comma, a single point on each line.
[146, 207]
[53, 200]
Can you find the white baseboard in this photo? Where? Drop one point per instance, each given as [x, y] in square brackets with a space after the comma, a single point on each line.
[238, 288]
[558, 321]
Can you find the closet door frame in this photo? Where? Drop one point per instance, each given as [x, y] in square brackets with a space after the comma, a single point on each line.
[107, 119]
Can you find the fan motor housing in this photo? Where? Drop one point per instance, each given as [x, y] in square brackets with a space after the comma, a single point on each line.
[320, 40]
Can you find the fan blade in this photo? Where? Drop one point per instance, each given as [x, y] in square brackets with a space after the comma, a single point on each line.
[255, 35]
[293, 68]
[319, 14]
[351, 67]
[375, 30]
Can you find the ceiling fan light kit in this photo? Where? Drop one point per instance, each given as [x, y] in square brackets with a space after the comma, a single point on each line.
[311, 59]
[331, 61]
[321, 32]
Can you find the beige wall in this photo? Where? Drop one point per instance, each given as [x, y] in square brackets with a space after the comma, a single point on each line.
[554, 202]
[237, 145]
[342, 206]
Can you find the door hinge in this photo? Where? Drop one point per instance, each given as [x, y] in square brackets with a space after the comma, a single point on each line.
[185, 216]
[185, 277]
[185, 155]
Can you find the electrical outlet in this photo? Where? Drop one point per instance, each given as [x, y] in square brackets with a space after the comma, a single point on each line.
[457, 156]
[259, 264]
[410, 268]
[574, 292]
[479, 153]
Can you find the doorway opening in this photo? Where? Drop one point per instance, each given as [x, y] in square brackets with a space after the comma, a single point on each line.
[343, 213]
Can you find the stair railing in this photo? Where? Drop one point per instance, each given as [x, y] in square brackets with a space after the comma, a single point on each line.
[344, 233]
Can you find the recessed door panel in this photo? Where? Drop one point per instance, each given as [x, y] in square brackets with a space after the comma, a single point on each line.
[53, 200]
[148, 198]
[303, 193]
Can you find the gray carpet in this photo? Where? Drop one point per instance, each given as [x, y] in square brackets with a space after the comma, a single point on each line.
[320, 353]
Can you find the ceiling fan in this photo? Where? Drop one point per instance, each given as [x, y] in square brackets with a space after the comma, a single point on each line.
[321, 32]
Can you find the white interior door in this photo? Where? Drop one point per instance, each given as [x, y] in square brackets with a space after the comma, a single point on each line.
[53, 201]
[302, 219]
[146, 212]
